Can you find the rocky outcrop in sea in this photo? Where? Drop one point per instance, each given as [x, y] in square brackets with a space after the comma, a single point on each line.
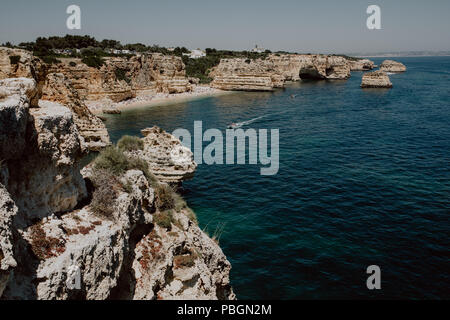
[392, 66]
[361, 65]
[169, 161]
[376, 79]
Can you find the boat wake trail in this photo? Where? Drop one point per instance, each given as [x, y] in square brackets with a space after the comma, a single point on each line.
[241, 124]
[245, 123]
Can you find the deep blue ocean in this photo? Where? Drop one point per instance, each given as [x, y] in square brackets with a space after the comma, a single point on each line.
[364, 179]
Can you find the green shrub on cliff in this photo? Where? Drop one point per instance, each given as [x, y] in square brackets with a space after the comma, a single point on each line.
[179, 203]
[111, 163]
[130, 143]
[164, 197]
[184, 261]
[142, 165]
[191, 215]
[14, 59]
[164, 219]
[113, 160]
[93, 61]
[107, 188]
[50, 59]
[200, 68]
[121, 74]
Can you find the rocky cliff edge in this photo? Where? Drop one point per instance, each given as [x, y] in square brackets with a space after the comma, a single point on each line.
[127, 235]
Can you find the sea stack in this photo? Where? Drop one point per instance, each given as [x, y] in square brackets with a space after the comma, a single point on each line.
[167, 158]
[361, 65]
[392, 66]
[376, 79]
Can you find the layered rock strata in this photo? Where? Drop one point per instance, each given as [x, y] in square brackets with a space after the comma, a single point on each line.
[120, 79]
[322, 67]
[246, 74]
[376, 79]
[168, 159]
[243, 82]
[392, 66]
[361, 65]
[16, 63]
[59, 90]
[272, 72]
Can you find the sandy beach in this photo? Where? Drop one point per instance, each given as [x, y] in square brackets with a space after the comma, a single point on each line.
[98, 107]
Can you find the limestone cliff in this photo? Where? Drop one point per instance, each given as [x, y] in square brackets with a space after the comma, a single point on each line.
[245, 74]
[243, 82]
[148, 244]
[15, 63]
[121, 78]
[323, 67]
[40, 149]
[91, 83]
[59, 89]
[272, 72]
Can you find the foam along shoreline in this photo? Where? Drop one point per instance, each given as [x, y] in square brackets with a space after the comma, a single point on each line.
[199, 92]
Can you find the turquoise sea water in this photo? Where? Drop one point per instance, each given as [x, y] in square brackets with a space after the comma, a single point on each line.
[364, 179]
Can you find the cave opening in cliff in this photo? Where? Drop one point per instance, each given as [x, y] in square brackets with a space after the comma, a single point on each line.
[310, 74]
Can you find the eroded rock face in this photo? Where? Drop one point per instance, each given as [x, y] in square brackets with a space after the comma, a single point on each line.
[8, 210]
[376, 79]
[321, 67]
[361, 65]
[20, 87]
[168, 159]
[183, 263]
[243, 82]
[40, 148]
[17, 63]
[46, 179]
[59, 89]
[168, 71]
[91, 83]
[97, 245]
[39, 174]
[288, 65]
[15, 95]
[126, 256]
[246, 75]
[392, 66]
[272, 72]
[121, 78]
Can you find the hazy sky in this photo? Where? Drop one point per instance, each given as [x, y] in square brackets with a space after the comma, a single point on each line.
[292, 25]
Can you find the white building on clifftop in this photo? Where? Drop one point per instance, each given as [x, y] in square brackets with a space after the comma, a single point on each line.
[258, 50]
[195, 54]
